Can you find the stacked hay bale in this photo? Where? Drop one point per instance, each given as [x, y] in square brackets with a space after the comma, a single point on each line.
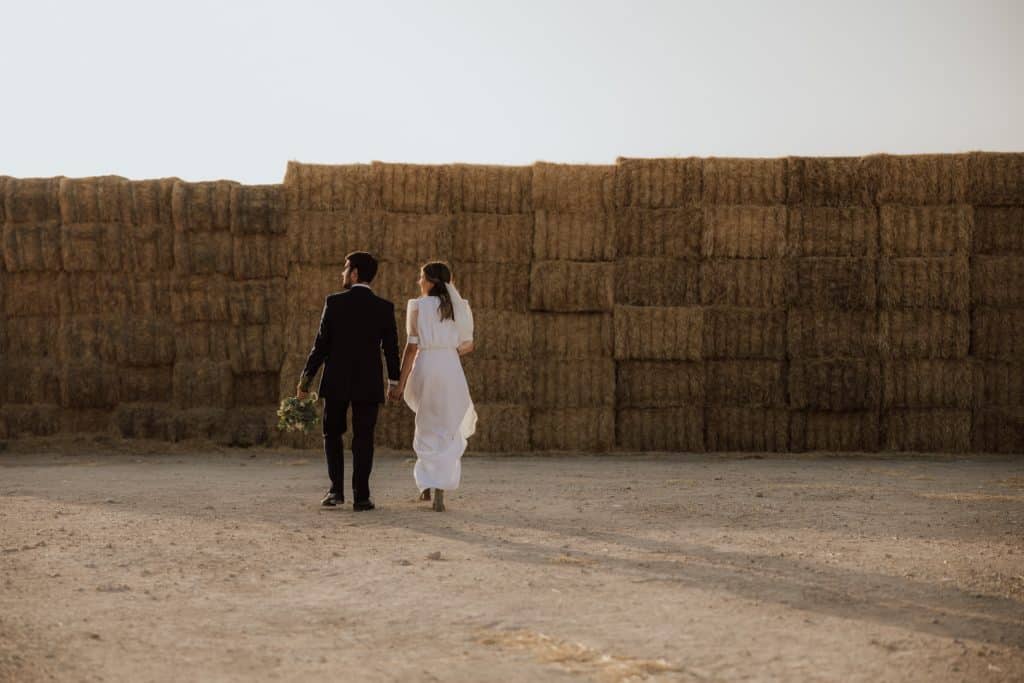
[835, 372]
[571, 296]
[924, 325]
[30, 364]
[658, 321]
[996, 191]
[744, 290]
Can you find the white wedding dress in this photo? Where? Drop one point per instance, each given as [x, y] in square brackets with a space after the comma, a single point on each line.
[437, 391]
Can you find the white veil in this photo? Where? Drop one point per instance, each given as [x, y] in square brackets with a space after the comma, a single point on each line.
[463, 314]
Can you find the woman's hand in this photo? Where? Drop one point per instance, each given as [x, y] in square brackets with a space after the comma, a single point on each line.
[465, 347]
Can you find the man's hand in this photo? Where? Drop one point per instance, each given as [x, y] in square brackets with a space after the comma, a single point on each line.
[395, 393]
[301, 395]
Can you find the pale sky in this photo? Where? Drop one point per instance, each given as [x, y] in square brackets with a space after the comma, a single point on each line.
[204, 89]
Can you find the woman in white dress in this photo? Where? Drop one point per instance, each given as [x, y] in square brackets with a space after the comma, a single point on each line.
[439, 325]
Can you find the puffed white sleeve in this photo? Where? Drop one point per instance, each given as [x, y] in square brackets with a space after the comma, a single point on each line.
[466, 323]
[412, 322]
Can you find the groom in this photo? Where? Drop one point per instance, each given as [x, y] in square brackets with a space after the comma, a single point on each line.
[354, 325]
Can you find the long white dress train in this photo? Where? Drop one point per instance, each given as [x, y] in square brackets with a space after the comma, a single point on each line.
[437, 391]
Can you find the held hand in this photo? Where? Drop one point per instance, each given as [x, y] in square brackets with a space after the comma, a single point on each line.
[395, 393]
[301, 395]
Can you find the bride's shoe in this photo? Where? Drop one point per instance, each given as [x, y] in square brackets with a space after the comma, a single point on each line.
[438, 500]
[425, 494]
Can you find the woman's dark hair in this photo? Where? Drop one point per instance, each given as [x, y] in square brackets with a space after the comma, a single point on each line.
[437, 274]
[365, 263]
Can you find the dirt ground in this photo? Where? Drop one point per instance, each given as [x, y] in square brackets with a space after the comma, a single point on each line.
[155, 563]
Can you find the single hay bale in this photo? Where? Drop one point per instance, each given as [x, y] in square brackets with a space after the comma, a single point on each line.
[572, 429]
[998, 383]
[811, 430]
[658, 183]
[31, 246]
[658, 333]
[324, 187]
[647, 281]
[90, 339]
[145, 342]
[492, 238]
[571, 286]
[258, 210]
[203, 424]
[152, 201]
[574, 236]
[257, 257]
[568, 335]
[659, 384]
[833, 231]
[501, 428]
[744, 231]
[29, 420]
[833, 181]
[744, 181]
[91, 246]
[926, 230]
[413, 188]
[416, 238]
[148, 385]
[502, 334]
[660, 429]
[103, 199]
[256, 389]
[927, 430]
[570, 188]
[86, 384]
[257, 302]
[201, 299]
[143, 421]
[202, 341]
[479, 188]
[731, 428]
[999, 430]
[30, 294]
[930, 383]
[32, 200]
[85, 420]
[997, 333]
[923, 179]
[995, 178]
[492, 285]
[751, 383]
[29, 380]
[203, 253]
[670, 233]
[733, 333]
[202, 207]
[997, 281]
[834, 283]
[496, 380]
[814, 333]
[30, 337]
[245, 427]
[835, 384]
[256, 348]
[998, 230]
[202, 383]
[925, 282]
[324, 238]
[573, 383]
[924, 333]
[148, 247]
[744, 282]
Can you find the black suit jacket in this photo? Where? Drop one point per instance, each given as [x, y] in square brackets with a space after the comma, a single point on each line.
[354, 326]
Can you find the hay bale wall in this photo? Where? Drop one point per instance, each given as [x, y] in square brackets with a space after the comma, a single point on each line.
[798, 304]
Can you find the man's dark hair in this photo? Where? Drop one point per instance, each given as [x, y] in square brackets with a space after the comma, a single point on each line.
[365, 263]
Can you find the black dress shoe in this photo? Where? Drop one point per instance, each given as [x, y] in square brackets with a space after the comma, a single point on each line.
[361, 505]
[332, 499]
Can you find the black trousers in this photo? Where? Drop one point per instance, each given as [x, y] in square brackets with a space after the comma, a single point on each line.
[364, 420]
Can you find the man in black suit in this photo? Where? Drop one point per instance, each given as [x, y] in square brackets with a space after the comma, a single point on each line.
[354, 326]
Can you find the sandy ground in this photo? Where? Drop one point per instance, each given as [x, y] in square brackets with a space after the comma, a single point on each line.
[152, 564]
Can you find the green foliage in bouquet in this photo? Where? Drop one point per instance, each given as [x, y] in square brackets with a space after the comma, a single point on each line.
[298, 414]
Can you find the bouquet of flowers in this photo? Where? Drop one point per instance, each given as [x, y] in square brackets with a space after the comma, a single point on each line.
[298, 414]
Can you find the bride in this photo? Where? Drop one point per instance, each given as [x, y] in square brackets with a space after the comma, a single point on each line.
[439, 325]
